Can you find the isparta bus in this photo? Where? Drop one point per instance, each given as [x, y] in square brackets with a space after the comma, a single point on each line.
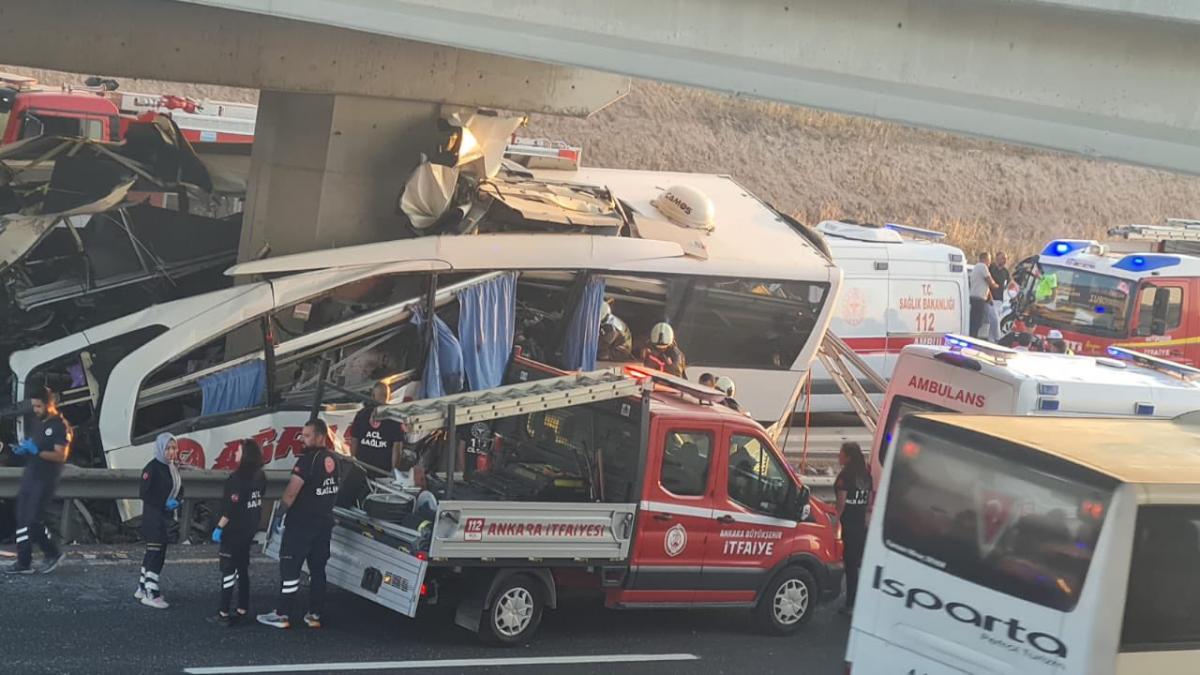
[558, 247]
[1039, 546]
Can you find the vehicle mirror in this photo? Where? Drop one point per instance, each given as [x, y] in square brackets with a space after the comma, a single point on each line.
[801, 507]
[8, 97]
[1162, 299]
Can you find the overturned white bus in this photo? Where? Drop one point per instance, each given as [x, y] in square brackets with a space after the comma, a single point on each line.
[749, 298]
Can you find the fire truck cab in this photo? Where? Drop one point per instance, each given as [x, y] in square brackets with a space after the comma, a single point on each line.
[28, 114]
[1148, 301]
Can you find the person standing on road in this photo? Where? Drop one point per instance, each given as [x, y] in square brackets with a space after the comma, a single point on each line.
[376, 442]
[853, 490]
[980, 286]
[307, 526]
[241, 512]
[47, 447]
[160, 491]
[1002, 278]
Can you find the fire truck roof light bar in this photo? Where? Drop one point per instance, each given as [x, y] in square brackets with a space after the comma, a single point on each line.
[1153, 362]
[1061, 247]
[960, 342]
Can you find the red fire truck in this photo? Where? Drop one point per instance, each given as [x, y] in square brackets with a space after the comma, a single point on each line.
[632, 484]
[100, 113]
[1146, 301]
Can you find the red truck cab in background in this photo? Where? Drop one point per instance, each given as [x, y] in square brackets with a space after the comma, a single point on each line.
[27, 114]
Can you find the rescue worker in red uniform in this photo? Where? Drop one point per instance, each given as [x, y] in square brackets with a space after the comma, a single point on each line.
[306, 527]
[662, 353]
[241, 511]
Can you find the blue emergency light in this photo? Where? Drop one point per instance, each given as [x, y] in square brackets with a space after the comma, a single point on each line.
[1047, 390]
[1048, 404]
[961, 342]
[1061, 247]
[1146, 262]
[1143, 409]
[1154, 363]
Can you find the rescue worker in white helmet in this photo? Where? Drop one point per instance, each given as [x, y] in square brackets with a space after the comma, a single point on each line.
[726, 386]
[662, 353]
[616, 342]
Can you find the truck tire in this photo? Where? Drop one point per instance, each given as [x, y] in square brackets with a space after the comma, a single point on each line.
[514, 613]
[787, 602]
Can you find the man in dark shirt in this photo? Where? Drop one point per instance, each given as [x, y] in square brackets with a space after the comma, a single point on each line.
[1002, 277]
[47, 447]
[376, 442]
[307, 527]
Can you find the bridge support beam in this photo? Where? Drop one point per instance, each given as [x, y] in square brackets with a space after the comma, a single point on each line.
[326, 169]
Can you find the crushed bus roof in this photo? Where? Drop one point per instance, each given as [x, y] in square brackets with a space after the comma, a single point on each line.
[1131, 450]
[745, 226]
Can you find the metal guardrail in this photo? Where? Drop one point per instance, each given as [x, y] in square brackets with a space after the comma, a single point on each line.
[77, 483]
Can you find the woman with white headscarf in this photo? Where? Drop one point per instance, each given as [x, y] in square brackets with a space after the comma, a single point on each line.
[160, 491]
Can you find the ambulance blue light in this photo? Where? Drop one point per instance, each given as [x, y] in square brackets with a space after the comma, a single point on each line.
[1100, 309]
[1047, 404]
[1146, 263]
[1062, 247]
[1047, 390]
[1143, 409]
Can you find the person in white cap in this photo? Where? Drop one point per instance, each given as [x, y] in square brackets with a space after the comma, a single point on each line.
[1056, 344]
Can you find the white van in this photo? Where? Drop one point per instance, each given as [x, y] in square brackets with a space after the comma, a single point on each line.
[1037, 546]
[901, 286]
[968, 375]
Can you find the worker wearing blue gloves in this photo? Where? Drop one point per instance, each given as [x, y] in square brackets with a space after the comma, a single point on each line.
[241, 511]
[160, 491]
[46, 450]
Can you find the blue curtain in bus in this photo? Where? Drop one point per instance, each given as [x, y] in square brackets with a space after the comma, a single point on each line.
[583, 331]
[235, 388]
[443, 372]
[486, 321]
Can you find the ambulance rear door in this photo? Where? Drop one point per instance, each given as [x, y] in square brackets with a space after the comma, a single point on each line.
[860, 317]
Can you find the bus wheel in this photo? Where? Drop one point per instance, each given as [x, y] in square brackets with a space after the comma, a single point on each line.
[515, 612]
[787, 602]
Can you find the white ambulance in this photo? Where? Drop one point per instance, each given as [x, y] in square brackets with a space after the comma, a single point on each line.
[901, 286]
[968, 375]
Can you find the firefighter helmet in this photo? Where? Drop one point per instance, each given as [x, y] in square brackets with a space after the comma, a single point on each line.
[662, 335]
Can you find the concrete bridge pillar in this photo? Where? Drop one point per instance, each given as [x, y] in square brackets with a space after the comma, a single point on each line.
[326, 169]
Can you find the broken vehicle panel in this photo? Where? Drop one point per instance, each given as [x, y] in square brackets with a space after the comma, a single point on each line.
[90, 231]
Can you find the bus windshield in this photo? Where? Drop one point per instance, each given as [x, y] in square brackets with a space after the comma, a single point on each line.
[993, 513]
[1082, 301]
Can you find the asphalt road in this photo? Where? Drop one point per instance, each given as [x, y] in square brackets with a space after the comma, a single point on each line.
[83, 619]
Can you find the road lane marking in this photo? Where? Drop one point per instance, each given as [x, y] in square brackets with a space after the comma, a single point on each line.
[442, 663]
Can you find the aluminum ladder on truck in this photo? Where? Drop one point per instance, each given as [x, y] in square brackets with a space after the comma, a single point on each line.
[839, 359]
[1177, 236]
[423, 416]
